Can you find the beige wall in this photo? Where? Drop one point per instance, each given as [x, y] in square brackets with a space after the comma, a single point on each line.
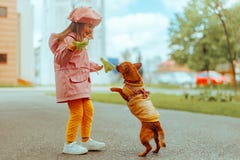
[9, 30]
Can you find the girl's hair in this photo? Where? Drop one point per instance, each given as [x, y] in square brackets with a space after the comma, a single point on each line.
[73, 27]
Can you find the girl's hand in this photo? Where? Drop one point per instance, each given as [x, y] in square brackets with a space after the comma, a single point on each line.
[80, 45]
[99, 68]
[72, 47]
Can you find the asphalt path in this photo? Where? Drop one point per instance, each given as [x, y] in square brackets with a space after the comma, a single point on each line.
[32, 127]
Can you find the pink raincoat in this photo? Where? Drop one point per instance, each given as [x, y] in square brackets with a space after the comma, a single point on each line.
[72, 70]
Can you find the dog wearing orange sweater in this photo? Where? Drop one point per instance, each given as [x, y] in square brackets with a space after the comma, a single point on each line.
[140, 105]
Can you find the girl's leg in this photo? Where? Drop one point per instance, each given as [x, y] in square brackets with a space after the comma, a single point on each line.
[86, 124]
[76, 114]
[86, 127]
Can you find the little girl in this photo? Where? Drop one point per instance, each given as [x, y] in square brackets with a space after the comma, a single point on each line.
[72, 75]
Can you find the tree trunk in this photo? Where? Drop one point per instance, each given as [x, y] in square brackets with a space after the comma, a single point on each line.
[231, 60]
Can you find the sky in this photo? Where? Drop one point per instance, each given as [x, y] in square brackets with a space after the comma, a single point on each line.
[142, 24]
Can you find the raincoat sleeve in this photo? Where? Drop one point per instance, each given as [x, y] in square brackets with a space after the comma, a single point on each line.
[93, 66]
[63, 55]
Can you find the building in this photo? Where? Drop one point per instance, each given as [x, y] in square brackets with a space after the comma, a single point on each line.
[26, 50]
[16, 37]
[22, 60]
[171, 66]
[9, 44]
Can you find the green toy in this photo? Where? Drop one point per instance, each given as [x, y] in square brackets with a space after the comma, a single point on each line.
[107, 65]
[81, 44]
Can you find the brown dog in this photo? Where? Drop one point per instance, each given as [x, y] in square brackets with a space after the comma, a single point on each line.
[140, 105]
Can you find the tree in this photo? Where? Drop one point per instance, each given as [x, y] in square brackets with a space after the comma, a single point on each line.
[216, 7]
[206, 33]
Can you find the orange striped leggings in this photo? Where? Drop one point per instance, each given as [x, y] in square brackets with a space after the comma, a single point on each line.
[81, 114]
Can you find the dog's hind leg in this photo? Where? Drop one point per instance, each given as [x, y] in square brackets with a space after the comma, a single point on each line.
[145, 136]
[148, 148]
[156, 139]
[159, 137]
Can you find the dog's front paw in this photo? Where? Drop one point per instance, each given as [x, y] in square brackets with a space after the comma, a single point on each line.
[116, 89]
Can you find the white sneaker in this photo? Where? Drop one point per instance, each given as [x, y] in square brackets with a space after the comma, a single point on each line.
[93, 145]
[74, 148]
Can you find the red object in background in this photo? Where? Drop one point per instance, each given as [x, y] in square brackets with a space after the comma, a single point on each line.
[205, 78]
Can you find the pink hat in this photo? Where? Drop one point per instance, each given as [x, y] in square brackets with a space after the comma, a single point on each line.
[85, 15]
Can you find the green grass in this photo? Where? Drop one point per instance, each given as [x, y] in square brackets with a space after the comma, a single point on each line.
[175, 102]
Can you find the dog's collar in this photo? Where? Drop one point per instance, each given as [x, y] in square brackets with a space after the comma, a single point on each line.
[137, 89]
[140, 84]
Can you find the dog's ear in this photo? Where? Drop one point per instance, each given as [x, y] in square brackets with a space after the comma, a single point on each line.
[138, 65]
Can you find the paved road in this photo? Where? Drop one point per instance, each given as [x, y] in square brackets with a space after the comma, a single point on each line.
[32, 127]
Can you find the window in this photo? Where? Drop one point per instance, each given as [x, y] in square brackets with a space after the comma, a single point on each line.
[3, 11]
[3, 58]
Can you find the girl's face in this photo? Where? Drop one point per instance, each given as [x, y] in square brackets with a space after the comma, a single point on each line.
[87, 31]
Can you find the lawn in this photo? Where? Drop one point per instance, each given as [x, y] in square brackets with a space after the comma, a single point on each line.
[174, 102]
